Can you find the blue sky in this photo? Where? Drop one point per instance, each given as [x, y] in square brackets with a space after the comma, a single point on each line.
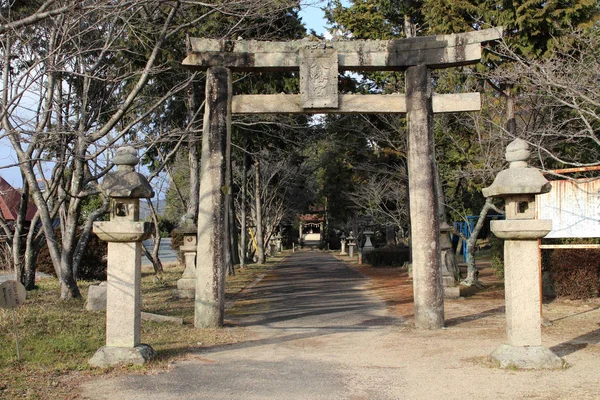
[313, 16]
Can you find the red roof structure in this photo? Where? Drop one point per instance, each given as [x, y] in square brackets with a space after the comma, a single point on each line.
[10, 198]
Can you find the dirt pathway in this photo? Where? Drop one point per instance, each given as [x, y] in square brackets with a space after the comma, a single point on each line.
[320, 330]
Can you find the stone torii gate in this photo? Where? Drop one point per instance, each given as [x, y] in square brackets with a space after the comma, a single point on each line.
[319, 64]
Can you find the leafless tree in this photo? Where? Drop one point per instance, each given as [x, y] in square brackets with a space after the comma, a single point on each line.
[75, 76]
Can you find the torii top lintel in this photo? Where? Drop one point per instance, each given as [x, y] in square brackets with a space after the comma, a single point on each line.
[360, 55]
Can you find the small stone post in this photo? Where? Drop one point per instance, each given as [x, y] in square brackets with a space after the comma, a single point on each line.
[322, 232]
[186, 285]
[518, 185]
[343, 242]
[124, 234]
[351, 245]
[279, 242]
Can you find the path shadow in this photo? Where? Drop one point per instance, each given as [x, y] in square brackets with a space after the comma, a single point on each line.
[577, 343]
[474, 317]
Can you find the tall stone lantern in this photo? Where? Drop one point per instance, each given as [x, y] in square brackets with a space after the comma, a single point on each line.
[368, 246]
[351, 244]
[124, 234]
[518, 185]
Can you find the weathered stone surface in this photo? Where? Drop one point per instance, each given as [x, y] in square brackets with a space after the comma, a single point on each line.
[522, 291]
[366, 55]
[161, 318]
[125, 182]
[351, 104]
[122, 231]
[123, 294]
[212, 228]
[186, 286]
[451, 291]
[521, 229]
[96, 299]
[517, 181]
[109, 356]
[425, 226]
[319, 77]
[530, 357]
[518, 178]
[368, 246]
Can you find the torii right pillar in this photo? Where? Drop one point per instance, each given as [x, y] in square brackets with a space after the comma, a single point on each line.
[424, 219]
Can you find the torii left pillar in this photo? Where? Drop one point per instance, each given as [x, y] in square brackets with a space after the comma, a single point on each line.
[424, 220]
[212, 215]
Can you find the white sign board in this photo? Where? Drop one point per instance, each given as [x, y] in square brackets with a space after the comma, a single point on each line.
[573, 207]
[12, 294]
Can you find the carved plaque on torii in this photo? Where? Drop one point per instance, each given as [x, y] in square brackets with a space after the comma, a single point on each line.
[318, 77]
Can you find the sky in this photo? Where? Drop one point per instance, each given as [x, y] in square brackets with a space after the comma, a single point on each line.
[312, 16]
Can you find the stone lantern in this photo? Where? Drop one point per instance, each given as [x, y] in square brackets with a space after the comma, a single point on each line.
[368, 232]
[518, 185]
[351, 244]
[186, 285]
[343, 242]
[124, 234]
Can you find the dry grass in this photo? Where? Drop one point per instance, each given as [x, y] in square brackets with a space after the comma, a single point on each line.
[57, 338]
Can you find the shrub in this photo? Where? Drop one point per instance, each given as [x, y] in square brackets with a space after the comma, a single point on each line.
[497, 252]
[576, 273]
[176, 243]
[93, 261]
[388, 256]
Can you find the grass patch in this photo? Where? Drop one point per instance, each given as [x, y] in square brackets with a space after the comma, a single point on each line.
[58, 338]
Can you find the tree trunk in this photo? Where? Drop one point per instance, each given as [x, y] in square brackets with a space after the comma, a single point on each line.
[33, 245]
[511, 123]
[230, 213]
[153, 257]
[17, 247]
[472, 278]
[260, 240]
[447, 256]
[193, 156]
[243, 229]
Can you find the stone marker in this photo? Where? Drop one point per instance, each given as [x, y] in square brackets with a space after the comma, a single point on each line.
[186, 285]
[124, 234]
[451, 289]
[518, 185]
[96, 299]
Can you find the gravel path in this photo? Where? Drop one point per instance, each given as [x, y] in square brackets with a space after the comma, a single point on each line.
[319, 333]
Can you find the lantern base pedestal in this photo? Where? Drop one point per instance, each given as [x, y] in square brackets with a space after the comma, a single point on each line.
[526, 357]
[451, 289]
[186, 288]
[108, 356]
